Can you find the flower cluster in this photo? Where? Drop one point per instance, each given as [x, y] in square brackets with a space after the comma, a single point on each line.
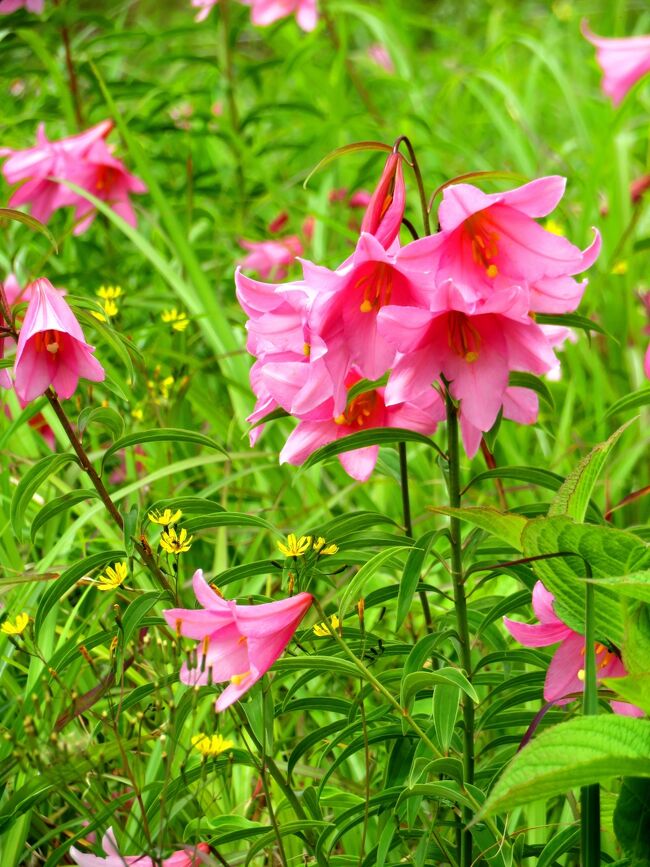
[85, 160]
[565, 675]
[455, 310]
[186, 857]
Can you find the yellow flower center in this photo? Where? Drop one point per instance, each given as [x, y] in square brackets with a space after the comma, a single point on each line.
[377, 287]
[464, 340]
[483, 242]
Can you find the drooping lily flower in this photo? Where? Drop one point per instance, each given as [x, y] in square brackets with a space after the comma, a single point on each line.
[565, 674]
[490, 241]
[473, 344]
[383, 216]
[365, 411]
[52, 349]
[239, 643]
[186, 857]
[9, 6]
[623, 61]
[204, 7]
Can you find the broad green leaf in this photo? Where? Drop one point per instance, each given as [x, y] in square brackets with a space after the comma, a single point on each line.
[187, 505]
[636, 585]
[573, 497]
[137, 611]
[446, 697]
[504, 525]
[29, 221]
[411, 574]
[633, 688]
[518, 379]
[165, 435]
[227, 519]
[31, 482]
[632, 820]
[580, 752]
[61, 504]
[67, 579]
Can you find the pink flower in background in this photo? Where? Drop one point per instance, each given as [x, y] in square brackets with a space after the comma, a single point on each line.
[278, 223]
[360, 199]
[473, 344]
[365, 411]
[623, 61]
[51, 347]
[238, 643]
[383, 217]
[379, 54]
[566, 672]
[8, 6]
[265, 12]
[106, 178]
[185, 857]
[204, 7]
[271, 259]
[49, 159]
[646, 364]
[490, 241]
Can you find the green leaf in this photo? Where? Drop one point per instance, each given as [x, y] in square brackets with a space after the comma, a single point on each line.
[504, 525]
[346, 149]
[411, 574]
[373, 437]
[102, 415]
[68, 579]
[632, 820]
[518, 379]
[636, 585]
[530, 475]
[446, 697]
[580, 752]
[635, 688]
[570, 320]
[61, 504]
[29, 221]
[227, 519]
[171, 435]
[558, 845]
[426, 680]
[631, 401]
[573, 497]
[353, 590]
[31, 482]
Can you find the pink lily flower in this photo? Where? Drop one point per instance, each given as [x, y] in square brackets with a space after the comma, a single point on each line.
[106, 178]
[265, 12]
[52, 349]
[49, 159]
[473, 344]
[239, 643]
[365, 411]
[565, 674]
[623, 61]
[490, 241]
[520, 405]
[185, 857]
[348, 302]
[383, 218]
[204, 7]
[9, 6]
[271, 259]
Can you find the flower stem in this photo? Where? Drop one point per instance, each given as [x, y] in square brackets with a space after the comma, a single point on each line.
[590, 795]
[426, 219]
[142, 549]
[462, 625]
[408, 524]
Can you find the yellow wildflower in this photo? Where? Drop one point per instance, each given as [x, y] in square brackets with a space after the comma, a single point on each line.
[175, 543]
[324, 628]
[137, 413]
[295, 547]
[165, 518]
[113, 578]
[324, 550]
[619, 268]
[109, 293]
[178, 321]
[211, 745]
[16, 628]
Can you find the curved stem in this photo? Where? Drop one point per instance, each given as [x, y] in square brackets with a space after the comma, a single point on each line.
[426, 221]
[460, 604]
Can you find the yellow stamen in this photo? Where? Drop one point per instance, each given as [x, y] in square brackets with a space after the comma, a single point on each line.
[492, 271]
[238, 678]
[377, 286]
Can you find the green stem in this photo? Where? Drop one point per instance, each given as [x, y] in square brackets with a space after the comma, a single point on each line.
[408, 524]
[462, 625]
[590, 795]
[426, 218]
